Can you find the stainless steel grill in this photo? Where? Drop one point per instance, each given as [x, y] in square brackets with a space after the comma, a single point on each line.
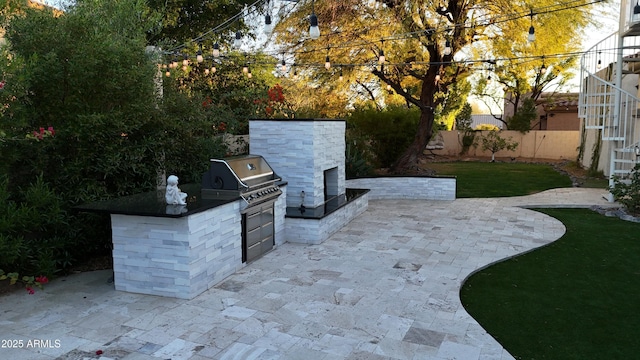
[251, 178]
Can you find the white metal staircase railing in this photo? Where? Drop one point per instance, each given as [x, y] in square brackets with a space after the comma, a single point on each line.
[605, 71]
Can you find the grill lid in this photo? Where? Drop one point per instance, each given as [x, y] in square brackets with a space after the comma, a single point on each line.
[238, 173]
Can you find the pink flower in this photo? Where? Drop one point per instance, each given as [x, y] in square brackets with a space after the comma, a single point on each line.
[30, 290]
[50, 129]
[42, 279]
[98, 352]
[2, 84]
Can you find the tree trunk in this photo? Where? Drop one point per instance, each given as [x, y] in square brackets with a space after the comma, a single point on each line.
[408, 161]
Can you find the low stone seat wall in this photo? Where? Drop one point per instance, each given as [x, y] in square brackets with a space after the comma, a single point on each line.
[407, 187]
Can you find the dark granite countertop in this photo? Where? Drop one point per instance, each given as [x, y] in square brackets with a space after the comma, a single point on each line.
[153, 204]
[328, 207]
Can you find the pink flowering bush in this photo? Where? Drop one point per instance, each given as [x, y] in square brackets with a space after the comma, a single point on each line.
[42, 133]
[28, 281]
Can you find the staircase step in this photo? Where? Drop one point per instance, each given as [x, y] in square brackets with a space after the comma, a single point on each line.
[613, 138]
[624, 172]
[631, 60]
[625, 150]
[594, 127]
[624, 161]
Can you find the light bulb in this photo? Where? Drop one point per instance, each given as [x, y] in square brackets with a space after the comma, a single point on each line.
[437, 77]
[314, 30]
[245, 69]
[216, 50]
[249, 73]
[388, 87]
[237, 43]
[381, 59]
[167, 74]
[213, 69]
[206, 71]
[199, 57]
[185, 61]
[341, 77]
[327, 63]
[284, 66]
[268, 26]
[447, 48]
[532, 34]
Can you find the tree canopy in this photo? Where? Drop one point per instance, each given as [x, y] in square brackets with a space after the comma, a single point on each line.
[431, 48]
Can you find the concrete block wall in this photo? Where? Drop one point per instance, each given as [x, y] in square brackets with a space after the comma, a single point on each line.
[424, 188]
[300, 151]
[316, 231]
[176, 257]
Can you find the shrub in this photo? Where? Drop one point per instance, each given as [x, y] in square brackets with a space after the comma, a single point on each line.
[388, 132]
[492, 141]
[627, 192]
[487, 127]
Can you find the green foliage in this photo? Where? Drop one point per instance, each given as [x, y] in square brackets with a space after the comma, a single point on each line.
[26, 236]
[492, 141]
[356, 162]
[627, 192]
[87, 75]
[487, 127]
[463, 118]
[388, 132]
[523, 117]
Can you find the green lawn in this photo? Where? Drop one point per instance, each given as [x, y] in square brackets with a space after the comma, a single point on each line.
[486, 179]
[577, 298]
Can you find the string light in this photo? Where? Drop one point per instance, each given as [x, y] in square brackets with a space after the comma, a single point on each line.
[168, 72]
[531, 37]
[199, 56]
[636, 12]
[314, 30]
[327, 63]
[216, 50]
[268, 27]
[447, 48]
[381, 58]
[237, 43]
[532, 31]
[341, 77]
[185, 61]
[249, 73]
[213, 69]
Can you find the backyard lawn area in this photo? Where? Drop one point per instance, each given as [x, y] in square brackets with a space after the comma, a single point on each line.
[573, 299]
[487, 179]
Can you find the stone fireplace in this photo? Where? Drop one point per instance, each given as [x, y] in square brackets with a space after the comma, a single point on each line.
[309, 154]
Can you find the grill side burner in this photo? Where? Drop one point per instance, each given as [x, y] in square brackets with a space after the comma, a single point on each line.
[251, 178]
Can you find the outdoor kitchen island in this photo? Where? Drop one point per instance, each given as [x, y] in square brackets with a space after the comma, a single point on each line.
[177, 251]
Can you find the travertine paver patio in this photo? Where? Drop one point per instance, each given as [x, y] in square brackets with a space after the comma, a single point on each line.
[384, 287]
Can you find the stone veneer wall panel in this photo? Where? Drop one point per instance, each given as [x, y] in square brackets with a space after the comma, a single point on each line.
[299, 151]
[176, 257]
[423, 188]
[316, 231]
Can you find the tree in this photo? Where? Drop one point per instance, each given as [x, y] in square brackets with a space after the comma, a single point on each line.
[494, 143]
[184, 20]
[413, 36]
[87, 75]
[523, 117]
[523, 69]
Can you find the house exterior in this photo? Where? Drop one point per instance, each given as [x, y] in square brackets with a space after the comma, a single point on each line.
[609, 107]
[555, 111]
